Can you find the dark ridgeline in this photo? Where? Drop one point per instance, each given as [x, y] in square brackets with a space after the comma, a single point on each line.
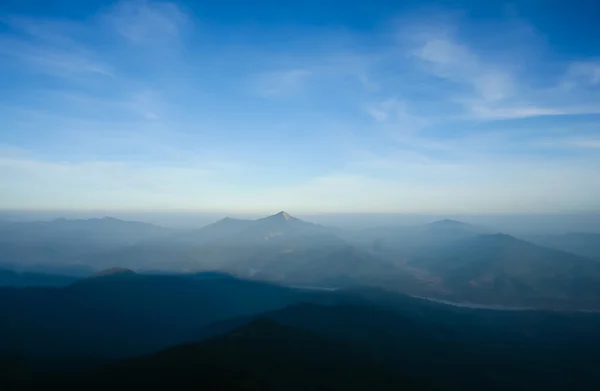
[121, 313]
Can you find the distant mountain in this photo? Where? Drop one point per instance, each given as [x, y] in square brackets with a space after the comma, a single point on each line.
[97, 231]
[215, 231]
[457, 261]
[68, 242]
[450, 227]
[114, 272]
[445, 259]
[124, 313]
[405, 240]
[277, 228]
[502, 269]
[278, 248]
[585, 244]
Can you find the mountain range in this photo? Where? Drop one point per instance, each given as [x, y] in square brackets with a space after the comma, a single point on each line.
[446, 259]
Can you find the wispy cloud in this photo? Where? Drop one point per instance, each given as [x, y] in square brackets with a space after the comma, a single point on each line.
[148, 104]
[590, 143]
[481, 111]
[45, 46]
[62, 48]
[490, 86]
[396, 119]
[276, 84]
[584, 72]
[147, 22]
[456, 62]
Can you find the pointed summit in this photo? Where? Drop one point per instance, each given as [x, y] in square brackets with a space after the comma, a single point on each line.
[283, 215]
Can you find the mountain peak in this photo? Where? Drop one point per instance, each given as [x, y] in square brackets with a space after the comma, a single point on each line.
[281, 216]
[448, 222]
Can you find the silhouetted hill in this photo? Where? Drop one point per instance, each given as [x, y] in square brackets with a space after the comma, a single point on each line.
[127, 313]
[24, 279]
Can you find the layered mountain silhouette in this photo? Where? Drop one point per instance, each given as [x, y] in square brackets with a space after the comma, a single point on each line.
[278, 248]
[445, 259]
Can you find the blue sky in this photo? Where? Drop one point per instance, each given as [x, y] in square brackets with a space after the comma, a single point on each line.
[312, 106]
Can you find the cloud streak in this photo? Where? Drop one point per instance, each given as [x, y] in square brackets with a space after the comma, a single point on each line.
[46, 50]
[146, 22]
[278, 84]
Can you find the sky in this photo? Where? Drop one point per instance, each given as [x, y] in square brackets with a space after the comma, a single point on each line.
[303, 106]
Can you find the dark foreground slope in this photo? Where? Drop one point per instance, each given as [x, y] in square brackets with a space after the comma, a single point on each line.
[365, 339]
[466, 349]
[124, 313]
[263, 355]
[357, 347]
